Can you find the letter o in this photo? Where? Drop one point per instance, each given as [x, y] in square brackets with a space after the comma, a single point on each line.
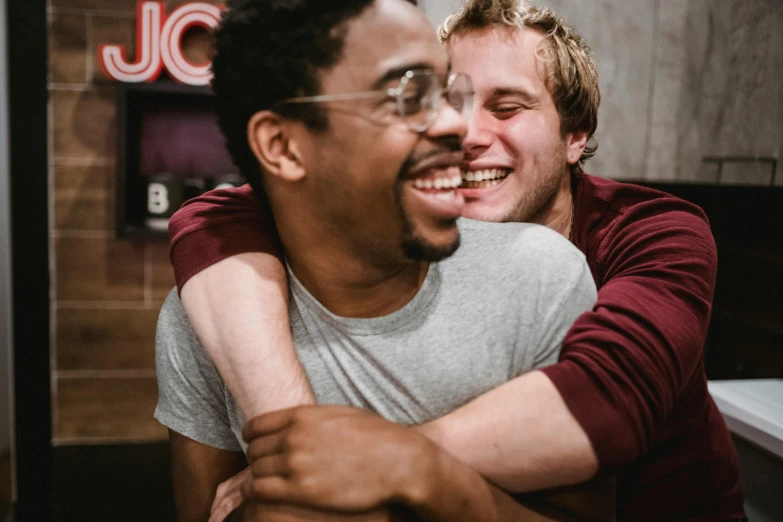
[182, 19]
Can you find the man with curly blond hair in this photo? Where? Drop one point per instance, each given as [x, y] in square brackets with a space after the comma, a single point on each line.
[628, 395]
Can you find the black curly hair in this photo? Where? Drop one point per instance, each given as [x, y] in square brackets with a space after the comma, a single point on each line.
[269, 50]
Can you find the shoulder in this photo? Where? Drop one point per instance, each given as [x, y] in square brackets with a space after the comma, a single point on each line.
[524, 241]
[518, 251]
[641, 213]
[628, 202]
[641, 227]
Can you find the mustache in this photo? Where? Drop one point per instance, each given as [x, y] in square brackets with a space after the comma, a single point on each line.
[443, 146]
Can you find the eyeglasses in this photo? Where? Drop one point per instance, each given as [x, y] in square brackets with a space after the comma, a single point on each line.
[417, 97]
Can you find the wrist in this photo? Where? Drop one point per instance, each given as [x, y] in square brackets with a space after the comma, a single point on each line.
[418, 488]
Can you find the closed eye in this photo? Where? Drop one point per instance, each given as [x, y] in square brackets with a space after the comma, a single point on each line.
[506, 111]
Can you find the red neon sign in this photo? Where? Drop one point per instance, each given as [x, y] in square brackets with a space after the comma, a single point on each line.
[159, 45]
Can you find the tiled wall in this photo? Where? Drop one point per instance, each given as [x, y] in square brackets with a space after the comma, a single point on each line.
[686, 84]
[106, 292]
[691, 93]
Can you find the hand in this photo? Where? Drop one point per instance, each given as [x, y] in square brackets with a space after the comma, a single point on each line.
[228, 496]
[334, 457]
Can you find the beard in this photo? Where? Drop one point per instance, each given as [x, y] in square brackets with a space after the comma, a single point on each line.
[417, 248]
[534, 204]
[414, 246]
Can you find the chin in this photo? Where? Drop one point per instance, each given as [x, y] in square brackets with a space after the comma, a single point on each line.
[481, 212]
[418, 248]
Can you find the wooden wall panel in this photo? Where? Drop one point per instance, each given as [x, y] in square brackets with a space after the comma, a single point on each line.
[107, 291]
[84, 123]
[96, 269]
[68, 48]
[84, 196]
[95, 409]
[106, 339]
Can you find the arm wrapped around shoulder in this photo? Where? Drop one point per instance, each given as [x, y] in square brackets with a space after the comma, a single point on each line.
[625, 364]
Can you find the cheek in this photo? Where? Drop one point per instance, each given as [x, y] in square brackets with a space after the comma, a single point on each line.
[528, 135]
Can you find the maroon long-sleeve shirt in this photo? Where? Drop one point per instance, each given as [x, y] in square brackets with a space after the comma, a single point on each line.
[631, 370]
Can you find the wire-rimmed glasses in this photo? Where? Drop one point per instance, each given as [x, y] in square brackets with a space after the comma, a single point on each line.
[417, 97]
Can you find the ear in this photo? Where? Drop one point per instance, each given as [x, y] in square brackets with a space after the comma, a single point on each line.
[274, 147]
[576, 146]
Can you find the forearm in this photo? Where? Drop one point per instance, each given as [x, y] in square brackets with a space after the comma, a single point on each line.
[252, 350]
[464, 496]
[521, 436]
[254, 512]
[444, 489]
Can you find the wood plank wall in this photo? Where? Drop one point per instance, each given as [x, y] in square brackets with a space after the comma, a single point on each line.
[106, 291]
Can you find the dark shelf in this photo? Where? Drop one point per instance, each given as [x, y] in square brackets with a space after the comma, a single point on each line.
[167, 135]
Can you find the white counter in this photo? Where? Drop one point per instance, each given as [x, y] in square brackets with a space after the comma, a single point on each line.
[753, 410]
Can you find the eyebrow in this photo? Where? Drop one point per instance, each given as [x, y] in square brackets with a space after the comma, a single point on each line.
[513, 91]
[399, 72]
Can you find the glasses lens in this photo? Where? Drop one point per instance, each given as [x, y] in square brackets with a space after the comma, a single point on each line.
[418, 98]
[459, 94]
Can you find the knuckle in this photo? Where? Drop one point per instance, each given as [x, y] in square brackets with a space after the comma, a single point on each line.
[255, 489]
[296, 439]
[296, 462]
[221, 489]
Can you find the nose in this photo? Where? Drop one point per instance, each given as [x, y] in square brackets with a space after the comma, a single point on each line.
[448, 122]
[478, 136]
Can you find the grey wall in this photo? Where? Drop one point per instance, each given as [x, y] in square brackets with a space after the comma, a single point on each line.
[437, 10]
[5, 249]
[691, 89]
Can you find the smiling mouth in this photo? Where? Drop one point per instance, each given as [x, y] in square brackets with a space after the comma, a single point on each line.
[483, 178]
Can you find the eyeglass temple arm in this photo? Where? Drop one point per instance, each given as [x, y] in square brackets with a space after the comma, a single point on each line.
[339, 97]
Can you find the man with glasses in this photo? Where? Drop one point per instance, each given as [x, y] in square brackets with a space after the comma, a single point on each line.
[344, 117]
[629, 394]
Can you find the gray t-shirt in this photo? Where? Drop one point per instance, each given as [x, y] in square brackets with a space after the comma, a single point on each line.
[499, 307]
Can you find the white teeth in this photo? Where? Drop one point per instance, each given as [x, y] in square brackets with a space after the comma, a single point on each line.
[484, 175]
[438, 183]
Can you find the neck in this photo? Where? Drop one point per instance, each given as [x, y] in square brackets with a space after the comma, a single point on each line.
[348, 272]
[352, 287]
[561, 212]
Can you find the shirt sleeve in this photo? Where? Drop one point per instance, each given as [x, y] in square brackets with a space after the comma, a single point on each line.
[191, 395]
[220, 224]
[625, 363]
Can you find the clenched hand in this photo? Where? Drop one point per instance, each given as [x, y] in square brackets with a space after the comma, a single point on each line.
[335, 458]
